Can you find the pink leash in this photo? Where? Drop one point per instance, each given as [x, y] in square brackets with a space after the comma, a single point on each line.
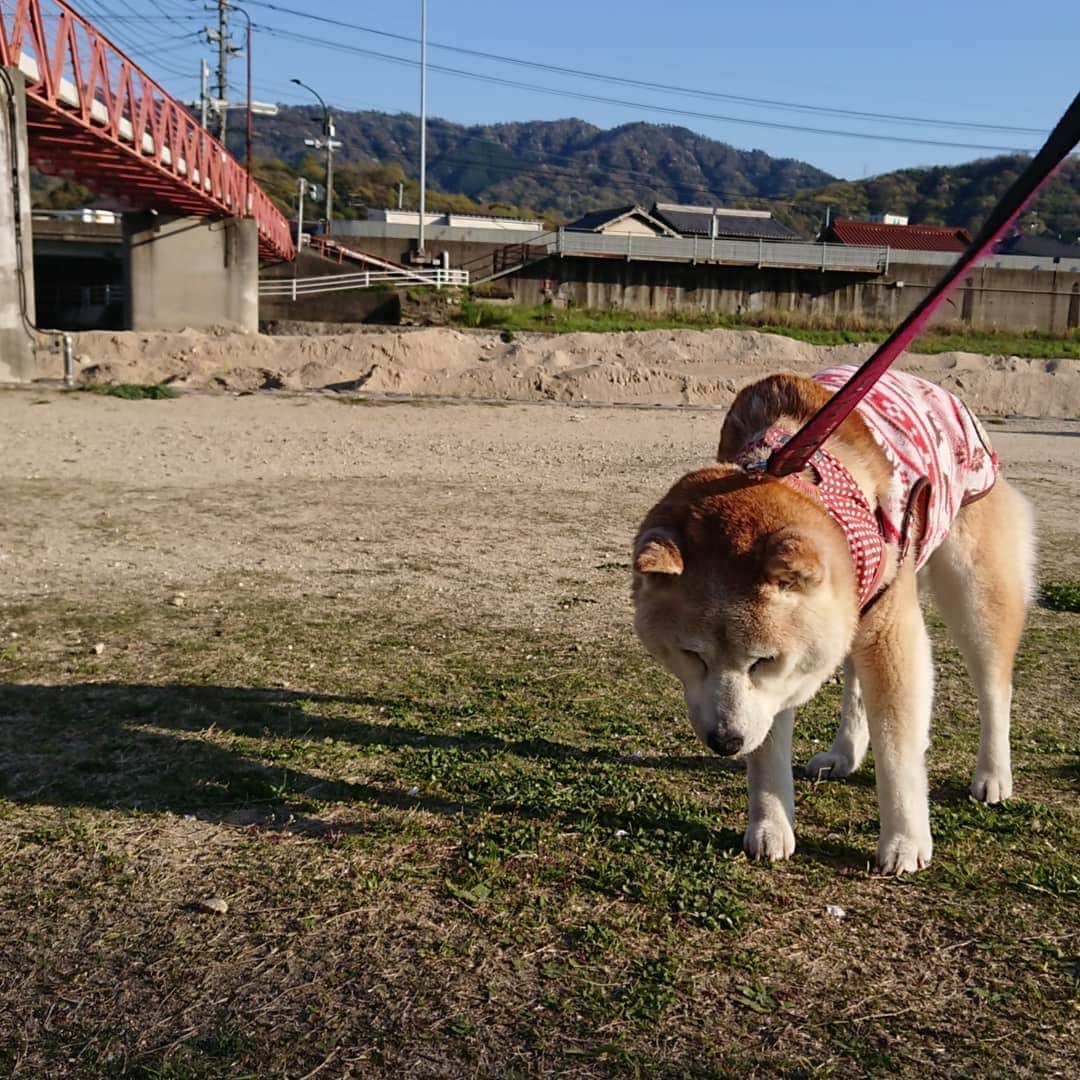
[794, 454]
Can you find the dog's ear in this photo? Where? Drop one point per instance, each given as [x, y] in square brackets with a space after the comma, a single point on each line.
[792, 561]
[657, 552]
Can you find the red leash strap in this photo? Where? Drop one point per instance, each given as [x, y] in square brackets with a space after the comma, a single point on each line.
[794, 454]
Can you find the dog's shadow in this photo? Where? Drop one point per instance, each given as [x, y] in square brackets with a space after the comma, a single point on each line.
[141, 747]
[138, 746]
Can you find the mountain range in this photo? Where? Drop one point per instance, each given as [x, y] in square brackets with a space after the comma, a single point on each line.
[552, 166]
[562, 169]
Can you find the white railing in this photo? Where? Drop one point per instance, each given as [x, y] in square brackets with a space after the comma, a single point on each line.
[295, 287]
[741, 252]
[782, 253]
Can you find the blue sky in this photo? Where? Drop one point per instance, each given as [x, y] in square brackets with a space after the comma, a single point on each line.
[991, 64]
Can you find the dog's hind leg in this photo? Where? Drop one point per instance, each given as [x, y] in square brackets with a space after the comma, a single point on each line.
[982, 579]
[852, 736]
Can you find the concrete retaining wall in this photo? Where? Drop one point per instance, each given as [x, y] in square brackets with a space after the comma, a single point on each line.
[988, 298]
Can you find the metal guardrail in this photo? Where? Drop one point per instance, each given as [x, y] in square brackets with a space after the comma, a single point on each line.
[1069, 264]
[776, 253]
[296, 287]
[771, 253]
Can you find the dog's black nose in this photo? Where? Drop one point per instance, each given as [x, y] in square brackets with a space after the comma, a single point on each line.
[724, 745]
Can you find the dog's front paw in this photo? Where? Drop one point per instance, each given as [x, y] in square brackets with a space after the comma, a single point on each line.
[991, 787]
[829, 765]
[769, 839]
[898, 855]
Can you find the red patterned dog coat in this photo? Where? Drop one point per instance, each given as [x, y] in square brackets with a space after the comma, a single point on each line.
[940, 457]
[933, 444]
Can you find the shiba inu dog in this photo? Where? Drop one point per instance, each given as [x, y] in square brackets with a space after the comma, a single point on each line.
[753, 590]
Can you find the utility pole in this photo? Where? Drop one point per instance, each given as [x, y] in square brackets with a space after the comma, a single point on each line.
[423, 122]
[301, 187]
[223, 65]
[204, 92]
[329, 170]
[219, 107]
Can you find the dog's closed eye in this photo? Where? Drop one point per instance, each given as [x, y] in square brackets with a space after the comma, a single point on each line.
[760, 662]
[696, 658]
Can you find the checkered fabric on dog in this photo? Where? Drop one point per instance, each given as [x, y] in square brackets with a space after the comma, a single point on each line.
[940, 455]
[835, 489]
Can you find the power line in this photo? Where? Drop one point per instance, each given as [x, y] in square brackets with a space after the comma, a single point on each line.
[664, 109]
[132, 38]
[172, 18]
[741, 99]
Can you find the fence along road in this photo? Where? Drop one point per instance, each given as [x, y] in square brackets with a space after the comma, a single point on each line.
[294, 287]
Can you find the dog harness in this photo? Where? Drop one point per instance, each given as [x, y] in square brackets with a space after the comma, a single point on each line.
[940, 455]
[940, 458]
[835, 489]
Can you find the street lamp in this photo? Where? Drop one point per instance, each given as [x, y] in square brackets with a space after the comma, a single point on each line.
[330, 144]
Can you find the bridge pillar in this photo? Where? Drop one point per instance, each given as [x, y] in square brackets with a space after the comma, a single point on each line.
[16, 254]
[191, 271]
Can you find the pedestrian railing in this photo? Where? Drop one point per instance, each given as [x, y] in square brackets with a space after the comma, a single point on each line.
[703, 249]
[366, 279]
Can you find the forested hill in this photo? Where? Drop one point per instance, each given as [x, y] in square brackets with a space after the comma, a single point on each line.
[564, 168]
[956, 195]
[561, 169]
[560, 166]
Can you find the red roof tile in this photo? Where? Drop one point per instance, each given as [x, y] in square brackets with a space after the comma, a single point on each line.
[904, 237]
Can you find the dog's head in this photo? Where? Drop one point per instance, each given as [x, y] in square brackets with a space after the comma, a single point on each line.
[744, 590]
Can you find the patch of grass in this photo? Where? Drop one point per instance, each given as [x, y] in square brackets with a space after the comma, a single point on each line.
[1060, 595]
[815, 329]
[476, 847]
[131, 391]
[649, 988]
[1056, 877]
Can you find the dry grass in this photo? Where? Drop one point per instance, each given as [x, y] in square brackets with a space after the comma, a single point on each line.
[455, 849]
[818, 328]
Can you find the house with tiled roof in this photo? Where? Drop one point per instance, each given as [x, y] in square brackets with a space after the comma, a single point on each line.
[1039, 247]
[723, 223]
[898, 237]
[633, 219]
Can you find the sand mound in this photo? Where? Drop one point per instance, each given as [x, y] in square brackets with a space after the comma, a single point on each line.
[649, 367]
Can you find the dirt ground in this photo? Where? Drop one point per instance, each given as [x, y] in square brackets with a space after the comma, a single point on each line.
[673, 367]
[362, 669]
[483, 503]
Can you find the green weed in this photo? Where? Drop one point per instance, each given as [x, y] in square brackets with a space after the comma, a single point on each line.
[131, 391]
[815, 329]
[1061, 595]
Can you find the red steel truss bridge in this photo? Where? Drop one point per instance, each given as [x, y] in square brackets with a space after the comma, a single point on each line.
[93, 114]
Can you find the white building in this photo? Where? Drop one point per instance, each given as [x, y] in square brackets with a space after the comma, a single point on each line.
[454, 220]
